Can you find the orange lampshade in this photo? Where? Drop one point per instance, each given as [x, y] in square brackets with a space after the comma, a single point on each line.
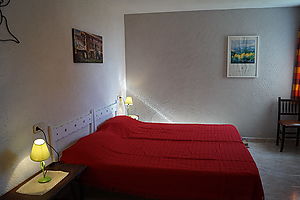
[128, 101]
[39, 151]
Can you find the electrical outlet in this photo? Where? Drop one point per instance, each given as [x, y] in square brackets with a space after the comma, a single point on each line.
[41, 125]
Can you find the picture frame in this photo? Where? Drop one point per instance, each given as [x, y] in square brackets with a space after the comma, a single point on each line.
[242, 57]
[87, 47]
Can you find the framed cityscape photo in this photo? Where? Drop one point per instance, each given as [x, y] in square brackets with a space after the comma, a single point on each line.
[87, 47]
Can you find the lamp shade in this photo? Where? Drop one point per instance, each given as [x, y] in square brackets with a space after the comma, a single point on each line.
[39, 151]
[128, 101]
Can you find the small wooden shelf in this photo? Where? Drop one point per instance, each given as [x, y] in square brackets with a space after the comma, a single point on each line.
[74, 172]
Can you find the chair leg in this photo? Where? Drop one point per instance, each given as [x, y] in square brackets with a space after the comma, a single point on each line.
[278, 131]
[298, 137]
[283, 138]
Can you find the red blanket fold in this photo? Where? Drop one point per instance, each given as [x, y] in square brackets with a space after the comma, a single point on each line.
[168, 161]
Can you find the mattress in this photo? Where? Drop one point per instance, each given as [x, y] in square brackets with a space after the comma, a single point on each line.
[168, 161]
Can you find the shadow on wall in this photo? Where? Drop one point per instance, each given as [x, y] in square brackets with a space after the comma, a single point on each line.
[157, 113]
[268, 111]
[7, 160]
[17, 168]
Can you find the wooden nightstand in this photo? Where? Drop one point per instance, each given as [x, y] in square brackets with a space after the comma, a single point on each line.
[134, 117]
[74, 172]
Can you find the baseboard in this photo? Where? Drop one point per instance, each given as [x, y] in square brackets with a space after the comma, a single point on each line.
[258, 139]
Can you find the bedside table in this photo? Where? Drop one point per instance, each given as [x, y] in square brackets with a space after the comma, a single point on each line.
[74, 173]
[134, 117]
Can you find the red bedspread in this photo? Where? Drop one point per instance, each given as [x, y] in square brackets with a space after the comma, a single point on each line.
[168, 161]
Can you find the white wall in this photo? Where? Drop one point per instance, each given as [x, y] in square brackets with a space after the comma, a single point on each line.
[176, 67]
[40, 82]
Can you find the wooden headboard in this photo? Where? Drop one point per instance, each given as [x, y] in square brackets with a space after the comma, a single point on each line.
[66, 134]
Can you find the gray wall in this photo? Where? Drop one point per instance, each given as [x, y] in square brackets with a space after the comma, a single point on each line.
[40, 82]
[176, 67]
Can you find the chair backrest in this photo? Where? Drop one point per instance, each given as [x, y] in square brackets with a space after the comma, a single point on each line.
[288, 107]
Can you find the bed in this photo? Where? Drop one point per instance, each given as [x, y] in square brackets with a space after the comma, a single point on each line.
[167, 161]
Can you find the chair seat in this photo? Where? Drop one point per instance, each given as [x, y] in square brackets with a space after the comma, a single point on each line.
[289, 123]
[288, 107]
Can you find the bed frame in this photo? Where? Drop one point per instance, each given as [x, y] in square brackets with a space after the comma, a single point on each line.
[66, 134]
[102, 114]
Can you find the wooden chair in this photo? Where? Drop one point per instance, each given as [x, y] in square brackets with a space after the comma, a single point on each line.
[288, 107]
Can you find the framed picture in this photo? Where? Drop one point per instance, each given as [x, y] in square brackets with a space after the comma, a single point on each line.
[87, 47]
[242, 56]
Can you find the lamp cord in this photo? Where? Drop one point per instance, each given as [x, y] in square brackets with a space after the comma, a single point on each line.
[39, 129]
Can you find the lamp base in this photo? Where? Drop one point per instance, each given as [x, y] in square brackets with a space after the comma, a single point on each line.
[44, 179]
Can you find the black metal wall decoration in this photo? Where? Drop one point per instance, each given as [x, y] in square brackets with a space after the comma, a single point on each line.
[4, 24]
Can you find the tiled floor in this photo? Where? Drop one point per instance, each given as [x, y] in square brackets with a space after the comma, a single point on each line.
[280, 173]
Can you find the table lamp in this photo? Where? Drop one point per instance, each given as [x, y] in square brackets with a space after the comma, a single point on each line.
[40, 153]
[128, 102]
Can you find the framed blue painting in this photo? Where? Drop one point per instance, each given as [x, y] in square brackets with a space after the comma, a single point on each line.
[242, 56]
